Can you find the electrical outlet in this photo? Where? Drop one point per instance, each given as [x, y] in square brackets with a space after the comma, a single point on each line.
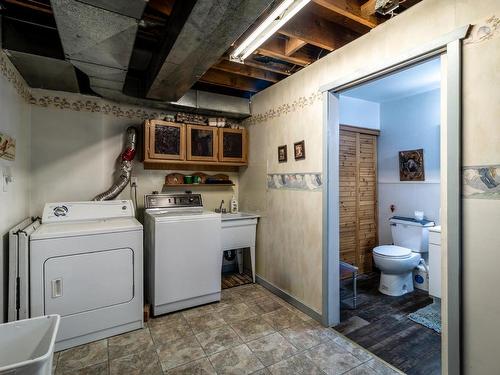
[133, 181]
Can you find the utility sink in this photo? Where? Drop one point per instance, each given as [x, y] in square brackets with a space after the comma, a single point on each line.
[238, 216]
[238, 232]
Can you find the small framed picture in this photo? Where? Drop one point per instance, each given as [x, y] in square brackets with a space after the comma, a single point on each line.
[411, 165]
[299, 150]
[282, 154]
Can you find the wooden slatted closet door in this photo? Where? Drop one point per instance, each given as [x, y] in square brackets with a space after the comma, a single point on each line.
[358, 196]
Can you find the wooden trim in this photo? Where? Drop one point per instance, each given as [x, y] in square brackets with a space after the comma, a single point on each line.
[215, 143]
[351, 128]
[151, 154]
[192, 166]
[244, 144]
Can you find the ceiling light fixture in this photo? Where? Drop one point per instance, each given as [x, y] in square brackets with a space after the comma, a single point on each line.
[278, 17]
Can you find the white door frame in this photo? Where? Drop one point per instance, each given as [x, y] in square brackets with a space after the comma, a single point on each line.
[451, 45]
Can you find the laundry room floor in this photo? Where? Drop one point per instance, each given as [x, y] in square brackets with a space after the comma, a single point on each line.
[251, 331]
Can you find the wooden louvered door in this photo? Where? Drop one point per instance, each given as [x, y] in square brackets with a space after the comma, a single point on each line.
[358, 196]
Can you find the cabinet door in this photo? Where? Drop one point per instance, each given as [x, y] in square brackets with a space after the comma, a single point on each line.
[233, 145]
[202, 143]
[166, 140]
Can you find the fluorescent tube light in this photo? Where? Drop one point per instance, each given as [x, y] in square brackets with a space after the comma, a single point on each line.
[281, 15]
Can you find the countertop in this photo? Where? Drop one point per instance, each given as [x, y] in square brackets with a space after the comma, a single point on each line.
[239, 216]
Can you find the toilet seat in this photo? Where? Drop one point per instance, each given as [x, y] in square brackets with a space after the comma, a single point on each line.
[392, 251]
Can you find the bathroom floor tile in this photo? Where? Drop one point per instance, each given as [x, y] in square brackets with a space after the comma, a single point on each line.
[207, 321]
[198, 367]
[142, 362]
[83, 356]
[198, 311]
[298, 364]
[282, 318]
[332, 359]
[251, 329]
[218, 339]
[352, 348]
[237, 312]
[272, 348]
[170, 330]
[128, 343]
[98, 369]
[302, 336]
[238, 360]
[363, 369]
[264, 305]
[178, 352]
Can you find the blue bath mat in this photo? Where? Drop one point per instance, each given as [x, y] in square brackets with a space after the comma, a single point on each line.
[429, 316]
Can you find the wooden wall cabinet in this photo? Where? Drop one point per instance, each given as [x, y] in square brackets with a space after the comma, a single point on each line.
[169, 145]
[358, 196]
[233, 145]
[165, 140]
[202, 143]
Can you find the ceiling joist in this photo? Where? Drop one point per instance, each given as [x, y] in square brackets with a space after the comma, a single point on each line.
[277, 48]
[269, 66]
[248, 71]
[317, 31]
[349, 9]
[293, 44]
[219, 78]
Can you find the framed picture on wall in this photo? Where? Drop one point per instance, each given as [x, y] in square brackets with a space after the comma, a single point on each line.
[411, 165]
[299, 149]
[282, 154]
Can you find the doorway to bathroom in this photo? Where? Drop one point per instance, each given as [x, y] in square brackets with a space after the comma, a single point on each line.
[378, 197]
[389, 199]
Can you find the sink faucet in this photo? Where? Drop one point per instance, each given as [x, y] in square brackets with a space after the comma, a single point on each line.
[220, 209]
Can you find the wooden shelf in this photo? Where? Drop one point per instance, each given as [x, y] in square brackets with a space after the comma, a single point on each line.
[198, 185]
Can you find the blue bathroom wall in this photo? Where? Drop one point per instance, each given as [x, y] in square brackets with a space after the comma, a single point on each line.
[406, 124]
[359, 112]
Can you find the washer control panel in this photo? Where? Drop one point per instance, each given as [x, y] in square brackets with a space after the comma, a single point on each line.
[172, 200]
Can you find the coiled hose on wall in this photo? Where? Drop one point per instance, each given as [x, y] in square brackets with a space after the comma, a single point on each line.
[125, 168]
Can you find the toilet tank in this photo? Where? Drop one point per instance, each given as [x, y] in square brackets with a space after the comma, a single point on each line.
[411, 233]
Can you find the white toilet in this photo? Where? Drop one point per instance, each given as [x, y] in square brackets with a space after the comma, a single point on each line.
[396, 262]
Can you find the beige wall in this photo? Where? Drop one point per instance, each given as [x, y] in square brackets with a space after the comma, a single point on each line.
[14, 203]
[291, 110]
[75, 157]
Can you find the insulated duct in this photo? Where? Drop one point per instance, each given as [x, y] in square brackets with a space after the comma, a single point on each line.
[125, 168]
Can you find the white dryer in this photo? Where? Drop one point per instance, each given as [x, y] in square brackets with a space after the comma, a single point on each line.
[86, 264]
[183, 252]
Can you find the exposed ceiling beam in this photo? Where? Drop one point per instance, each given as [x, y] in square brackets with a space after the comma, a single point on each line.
[293, 45]
[35, 5]
[349, 9]
[192, 45]
[276, 48]
[368, 8]
[337, 19]
[162, 6]
[216, 77]
[270, 66]
[247, 71]
[317, 31]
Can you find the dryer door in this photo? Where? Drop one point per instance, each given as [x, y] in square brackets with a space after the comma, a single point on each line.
[89, 281]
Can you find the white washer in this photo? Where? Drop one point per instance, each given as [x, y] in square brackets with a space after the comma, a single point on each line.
[183, 252]
[86, 264]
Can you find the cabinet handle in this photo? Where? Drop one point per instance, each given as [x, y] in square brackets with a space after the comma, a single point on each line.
[57, 288]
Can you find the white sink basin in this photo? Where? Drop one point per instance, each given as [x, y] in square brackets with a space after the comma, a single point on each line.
[238, 216]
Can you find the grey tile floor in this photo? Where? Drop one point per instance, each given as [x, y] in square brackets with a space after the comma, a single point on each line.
[251, 331]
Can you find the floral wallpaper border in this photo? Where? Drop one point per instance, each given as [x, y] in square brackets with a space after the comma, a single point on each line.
[481, 182]
[295, 181]
[283, 109]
